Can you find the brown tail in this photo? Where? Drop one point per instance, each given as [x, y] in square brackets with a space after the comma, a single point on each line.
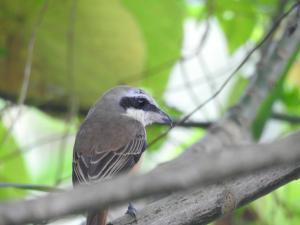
[96, 218]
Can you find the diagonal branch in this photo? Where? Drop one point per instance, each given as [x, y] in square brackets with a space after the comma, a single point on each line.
[286, 117]
[193, 172]
[270, 54]
[226, 146]
[205, 204]
[33, 187]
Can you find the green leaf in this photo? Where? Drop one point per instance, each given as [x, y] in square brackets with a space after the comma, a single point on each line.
[280, 207]
[238, 88]
[266, 108]
[108, 49]
[197, 11]
[291, 97]
[53, 146]
[236, 37]
[12, 169]
[161, 24]
[114, 42]
[236, 27]
[3, 52]
[238, 19]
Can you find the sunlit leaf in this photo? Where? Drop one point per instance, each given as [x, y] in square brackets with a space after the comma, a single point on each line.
[51, 149]
[277, 91]
[238, 19]
[238, 88]
[281, 206]
[161, 24]
[107, 49]
[12, 169]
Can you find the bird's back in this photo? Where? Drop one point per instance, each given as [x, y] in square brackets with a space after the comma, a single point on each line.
[101, 140]
[106, 146]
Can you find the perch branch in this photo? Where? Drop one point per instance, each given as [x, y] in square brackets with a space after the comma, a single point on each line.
[229, 138]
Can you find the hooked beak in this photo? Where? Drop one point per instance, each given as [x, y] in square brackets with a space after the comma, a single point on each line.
[164, 118]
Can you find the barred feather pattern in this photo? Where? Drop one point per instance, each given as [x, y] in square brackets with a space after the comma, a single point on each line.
[104, 164]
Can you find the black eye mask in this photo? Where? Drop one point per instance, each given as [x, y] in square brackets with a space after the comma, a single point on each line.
[137, 103]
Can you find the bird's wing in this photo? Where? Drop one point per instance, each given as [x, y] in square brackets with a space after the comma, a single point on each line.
[98, 159]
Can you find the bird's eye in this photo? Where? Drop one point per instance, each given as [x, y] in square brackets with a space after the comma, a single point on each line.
[141, 102]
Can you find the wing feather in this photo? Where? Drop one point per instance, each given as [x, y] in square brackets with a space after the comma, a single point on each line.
[104, 164]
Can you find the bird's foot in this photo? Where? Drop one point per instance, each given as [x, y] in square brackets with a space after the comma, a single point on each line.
[131, 211]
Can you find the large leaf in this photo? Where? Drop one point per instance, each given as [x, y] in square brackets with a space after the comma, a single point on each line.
[160, 23]
[281, 206]
[107, 48]
[239, 18]
[161, 27]
[266, 108]
[113, 42]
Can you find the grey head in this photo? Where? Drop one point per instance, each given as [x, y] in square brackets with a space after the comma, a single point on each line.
[132, 102]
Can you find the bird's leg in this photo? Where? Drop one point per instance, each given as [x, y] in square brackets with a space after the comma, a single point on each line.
[131, 210]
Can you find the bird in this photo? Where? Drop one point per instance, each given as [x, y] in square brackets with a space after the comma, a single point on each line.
[112, 139]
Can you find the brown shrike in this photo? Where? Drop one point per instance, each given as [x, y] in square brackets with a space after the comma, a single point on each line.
[112, 138]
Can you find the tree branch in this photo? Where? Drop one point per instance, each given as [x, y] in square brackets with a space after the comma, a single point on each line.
[33, 187]
[205, 204]
[226, 146]
[286, 117]
[192, 172]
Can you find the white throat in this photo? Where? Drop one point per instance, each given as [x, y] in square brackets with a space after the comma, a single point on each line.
[139, 115]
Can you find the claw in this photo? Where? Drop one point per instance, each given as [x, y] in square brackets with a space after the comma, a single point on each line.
[131, 211]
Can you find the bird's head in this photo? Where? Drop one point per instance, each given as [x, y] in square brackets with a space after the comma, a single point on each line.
[137, 104]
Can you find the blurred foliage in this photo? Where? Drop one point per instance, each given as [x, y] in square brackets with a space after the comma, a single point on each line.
[13, 170]
[281, 207]
[239, 19]
[238, 87]
[278, 90]
[124, 42]
[114, 42]
[56, 141]
[161, 26]
[104, 35]
[291, 90]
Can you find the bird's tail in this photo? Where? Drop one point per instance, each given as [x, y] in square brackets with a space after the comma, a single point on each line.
[96, 217]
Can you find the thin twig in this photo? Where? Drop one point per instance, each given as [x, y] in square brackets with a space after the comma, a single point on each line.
[209, 79]
[191, 168]
[189, 124]
[32, 187]
[294, 119]
[73, 106]
[186, 81]
[28, 64]
[193, 171]
[218, 74]
[256, 47]
[27, 70]
[156, 69]
[43, 141]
